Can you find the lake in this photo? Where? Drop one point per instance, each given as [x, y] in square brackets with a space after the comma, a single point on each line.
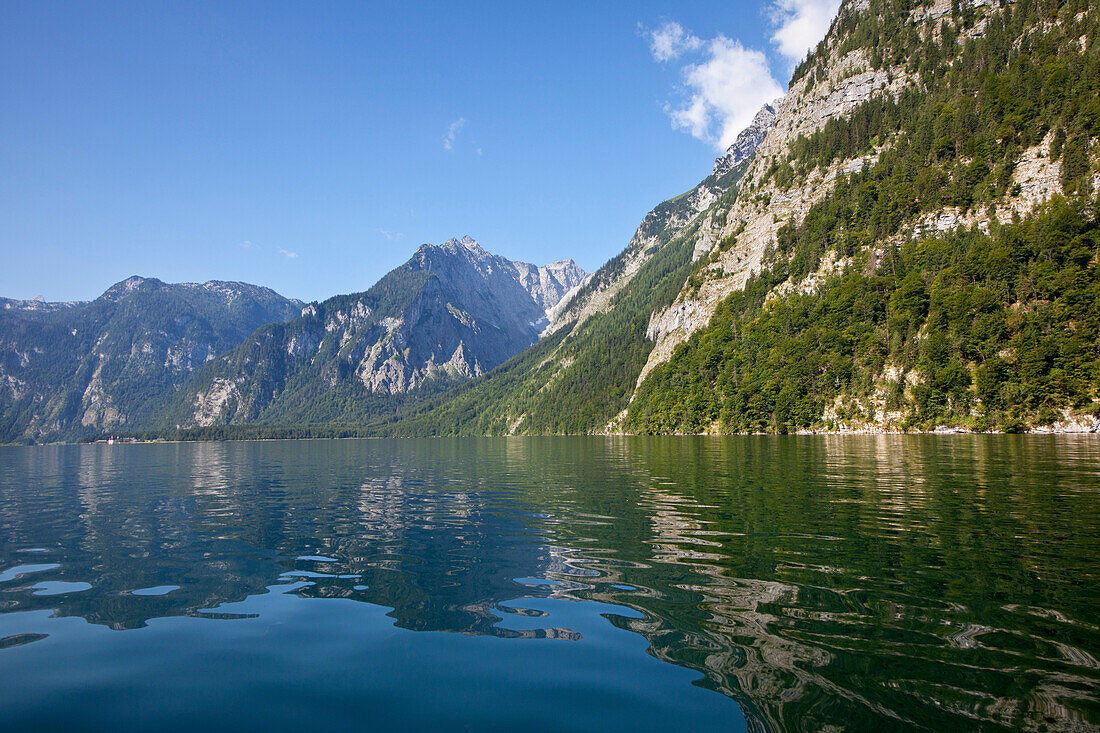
[743, 583]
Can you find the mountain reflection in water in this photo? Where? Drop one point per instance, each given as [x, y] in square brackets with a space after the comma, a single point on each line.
[821, 583]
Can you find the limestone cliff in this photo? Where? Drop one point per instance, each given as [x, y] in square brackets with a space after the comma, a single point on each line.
[916, 137]
[451, 313]
[843, 79]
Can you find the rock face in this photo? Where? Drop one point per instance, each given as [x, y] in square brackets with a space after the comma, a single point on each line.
[582, 372]
[749, 139]
[550, 284]
[452, 312]
[69, 369]
[663, 223]
[796, 231]
[465, 260]
[845, 80]
[693, 252]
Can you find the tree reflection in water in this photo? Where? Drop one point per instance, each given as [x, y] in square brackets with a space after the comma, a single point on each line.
[824, 581]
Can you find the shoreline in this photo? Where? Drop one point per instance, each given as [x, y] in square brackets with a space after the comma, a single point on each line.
[938, 431]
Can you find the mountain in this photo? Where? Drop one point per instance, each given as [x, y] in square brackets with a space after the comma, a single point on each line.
[582, 373]
[37, 304]
[71, 369]
[907, 242]
[749, 139]
[915, 246]
[451, 313]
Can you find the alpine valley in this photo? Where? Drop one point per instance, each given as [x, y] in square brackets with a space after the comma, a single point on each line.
[906, 241]
[146, 355]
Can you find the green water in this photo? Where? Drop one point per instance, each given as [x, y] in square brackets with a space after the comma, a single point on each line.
[767, 583]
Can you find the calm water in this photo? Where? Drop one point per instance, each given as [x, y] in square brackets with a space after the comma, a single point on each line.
[782, 583]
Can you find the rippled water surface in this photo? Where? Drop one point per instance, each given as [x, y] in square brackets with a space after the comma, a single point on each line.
[773, 583]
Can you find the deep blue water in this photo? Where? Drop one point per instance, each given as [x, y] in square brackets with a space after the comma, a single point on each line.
[772, 583]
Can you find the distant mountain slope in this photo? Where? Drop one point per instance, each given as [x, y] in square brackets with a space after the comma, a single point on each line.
[70, 369]
[451, 313]
[583, 373]
[37, 304]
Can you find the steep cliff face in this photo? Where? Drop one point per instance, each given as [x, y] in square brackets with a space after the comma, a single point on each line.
[68, 369]
[665, 222]
[843, 83]
[451, 313]
[845, 75]
[917, 139]
[854, 268]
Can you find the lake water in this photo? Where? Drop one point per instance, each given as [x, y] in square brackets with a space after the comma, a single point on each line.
[760, 583]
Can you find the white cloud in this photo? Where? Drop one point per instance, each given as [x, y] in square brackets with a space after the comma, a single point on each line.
[800, 24]
[727, 89]
[452, 131]
[392, 236]
[288, 254]
[671, 40]
[725, 83]
[246, 244]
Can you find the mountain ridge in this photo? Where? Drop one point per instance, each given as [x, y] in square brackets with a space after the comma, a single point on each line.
[858, 125]
[906, 241]
[843, 138]
[451, 313]
[70, 369]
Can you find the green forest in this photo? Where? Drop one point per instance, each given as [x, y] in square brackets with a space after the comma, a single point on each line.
[999, 330]
[1003, 329]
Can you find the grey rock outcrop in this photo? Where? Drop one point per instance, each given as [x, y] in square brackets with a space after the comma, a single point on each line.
[452, 312]
[749, 139]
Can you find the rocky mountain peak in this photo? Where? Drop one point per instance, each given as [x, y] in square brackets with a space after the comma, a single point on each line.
[748, 139]
[121, 289]
[451, 313]
[547, 285]
[467, 243]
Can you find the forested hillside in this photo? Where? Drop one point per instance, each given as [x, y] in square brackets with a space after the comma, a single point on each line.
[913, 245]
[906, 241]
[1002, 329]
[916, 293]
[582, 375]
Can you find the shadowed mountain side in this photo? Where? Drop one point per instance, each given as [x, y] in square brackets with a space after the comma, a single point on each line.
[71, 369]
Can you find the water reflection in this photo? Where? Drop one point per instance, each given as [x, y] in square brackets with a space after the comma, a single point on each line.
[822, 583]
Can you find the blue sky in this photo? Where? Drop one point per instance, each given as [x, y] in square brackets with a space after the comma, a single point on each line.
[311, 147]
